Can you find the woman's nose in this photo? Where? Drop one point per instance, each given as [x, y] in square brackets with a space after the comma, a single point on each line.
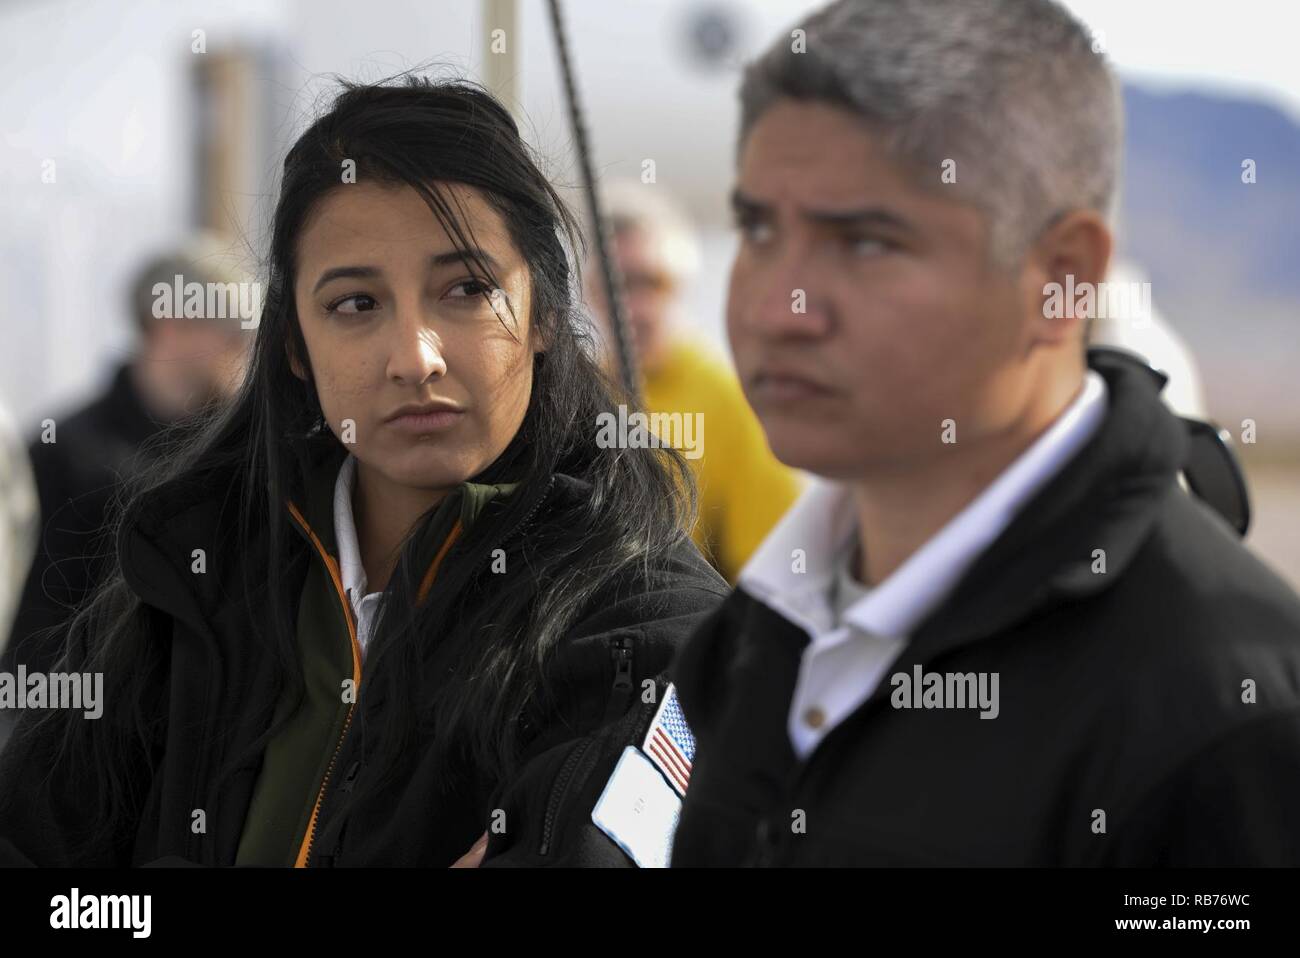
[415, 350]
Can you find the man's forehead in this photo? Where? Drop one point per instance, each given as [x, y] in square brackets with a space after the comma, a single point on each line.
[816, 173]
[808, 131]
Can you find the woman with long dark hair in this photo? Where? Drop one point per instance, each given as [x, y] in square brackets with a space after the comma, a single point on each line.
[399, 575]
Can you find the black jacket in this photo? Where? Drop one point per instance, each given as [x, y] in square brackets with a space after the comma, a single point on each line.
[215, 696]
[1125, 735]
[76, 478]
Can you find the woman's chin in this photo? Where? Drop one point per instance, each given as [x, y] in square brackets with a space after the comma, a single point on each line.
[427, 466]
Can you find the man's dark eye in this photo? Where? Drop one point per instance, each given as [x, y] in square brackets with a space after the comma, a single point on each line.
[867, 245]
[752, 228]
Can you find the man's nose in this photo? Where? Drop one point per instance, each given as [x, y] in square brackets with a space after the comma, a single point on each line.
[782, 296]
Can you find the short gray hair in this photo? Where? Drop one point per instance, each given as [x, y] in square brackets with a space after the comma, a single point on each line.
[1013, 90]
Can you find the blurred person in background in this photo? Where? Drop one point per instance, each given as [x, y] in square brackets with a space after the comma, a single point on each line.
[17, 530]
[17, 519]
[183, 365]
[743, 489]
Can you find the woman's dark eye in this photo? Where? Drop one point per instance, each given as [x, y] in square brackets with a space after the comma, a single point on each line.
[473, 288]
[357, 299]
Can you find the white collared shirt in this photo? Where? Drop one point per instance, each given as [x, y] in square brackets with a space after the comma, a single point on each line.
[794, 573]
[364, 604]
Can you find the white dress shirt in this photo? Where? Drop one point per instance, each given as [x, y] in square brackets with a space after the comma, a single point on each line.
[802, 569]
[364, 604]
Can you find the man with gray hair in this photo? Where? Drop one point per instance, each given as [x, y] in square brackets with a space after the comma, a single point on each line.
[996, 631]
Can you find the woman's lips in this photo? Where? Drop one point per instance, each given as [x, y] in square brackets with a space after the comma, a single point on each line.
[421, 423]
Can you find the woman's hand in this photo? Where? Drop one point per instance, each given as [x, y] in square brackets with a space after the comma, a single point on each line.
[472, 857]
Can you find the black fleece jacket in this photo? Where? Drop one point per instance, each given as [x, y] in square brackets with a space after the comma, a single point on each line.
[214, 695]
[1149, 712]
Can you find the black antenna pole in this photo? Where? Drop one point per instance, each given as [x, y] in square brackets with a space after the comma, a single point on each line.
[608, 268]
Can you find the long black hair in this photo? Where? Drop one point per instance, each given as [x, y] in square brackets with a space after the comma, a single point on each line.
[419, 132]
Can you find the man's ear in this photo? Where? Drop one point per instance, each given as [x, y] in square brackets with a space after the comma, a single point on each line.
[1064, 271]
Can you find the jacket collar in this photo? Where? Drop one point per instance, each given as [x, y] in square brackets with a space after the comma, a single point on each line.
[326, 516]
[823, 525]
[1107, 497]
[160, 531]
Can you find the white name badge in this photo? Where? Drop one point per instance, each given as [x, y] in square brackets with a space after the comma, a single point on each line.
[638, 810]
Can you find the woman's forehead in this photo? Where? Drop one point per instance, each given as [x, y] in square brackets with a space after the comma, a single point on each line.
[378, 214]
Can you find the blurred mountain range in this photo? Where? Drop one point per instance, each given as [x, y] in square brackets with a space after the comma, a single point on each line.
[1222, 256]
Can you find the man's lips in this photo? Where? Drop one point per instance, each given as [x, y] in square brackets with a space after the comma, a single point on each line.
[783, 386]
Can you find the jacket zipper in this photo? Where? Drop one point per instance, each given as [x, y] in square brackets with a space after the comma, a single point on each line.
[305, 851]
[620, 650]
[345, 786]
[522, 525]
[305, 854]
[559, 791]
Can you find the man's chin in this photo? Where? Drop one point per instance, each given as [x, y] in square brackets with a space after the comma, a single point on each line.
[822, 457]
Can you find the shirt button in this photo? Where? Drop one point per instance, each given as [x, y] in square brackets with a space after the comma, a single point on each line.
[814, 717]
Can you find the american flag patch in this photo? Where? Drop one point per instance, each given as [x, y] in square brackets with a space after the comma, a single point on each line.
[669, 743]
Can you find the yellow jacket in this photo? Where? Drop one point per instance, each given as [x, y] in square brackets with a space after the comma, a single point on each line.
[744, 490]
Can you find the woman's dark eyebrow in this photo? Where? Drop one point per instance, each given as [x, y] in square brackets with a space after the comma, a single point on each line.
[345, 272]
[451, 257]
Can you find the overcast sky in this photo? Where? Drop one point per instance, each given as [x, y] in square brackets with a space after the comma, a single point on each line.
[1245, 46]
